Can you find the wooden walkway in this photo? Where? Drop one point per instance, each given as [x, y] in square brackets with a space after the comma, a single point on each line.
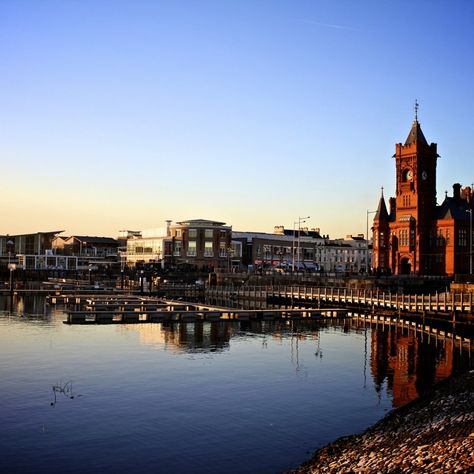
[445, 302]
[134, 309]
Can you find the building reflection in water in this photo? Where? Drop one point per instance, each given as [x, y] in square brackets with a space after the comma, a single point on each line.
[186, 337]
[215, 336]
[403, 362]
[410, 362]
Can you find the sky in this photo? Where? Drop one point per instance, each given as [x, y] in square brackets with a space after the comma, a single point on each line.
[121, 114]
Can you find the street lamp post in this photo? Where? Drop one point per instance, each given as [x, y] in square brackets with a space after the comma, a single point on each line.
[121, 270]
[367, 241]
[230, 252]
[11, 266]
[299, 221]
[470, 241]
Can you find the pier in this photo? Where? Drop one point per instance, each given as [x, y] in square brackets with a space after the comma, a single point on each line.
[444, 302]
[134, 309]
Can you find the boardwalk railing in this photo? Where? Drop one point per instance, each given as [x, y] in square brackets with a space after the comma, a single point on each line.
[419, 303]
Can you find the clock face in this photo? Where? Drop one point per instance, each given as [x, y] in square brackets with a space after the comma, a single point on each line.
[409, 175]
[424, 175]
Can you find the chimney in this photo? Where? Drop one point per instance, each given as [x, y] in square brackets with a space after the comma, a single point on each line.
[457, 192]
[467, 194]
[393, 206]
[168, 224]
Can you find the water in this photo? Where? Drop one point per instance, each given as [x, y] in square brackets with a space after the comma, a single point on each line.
[198, 398]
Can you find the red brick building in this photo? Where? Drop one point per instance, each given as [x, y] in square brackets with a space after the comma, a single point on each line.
[415, 235]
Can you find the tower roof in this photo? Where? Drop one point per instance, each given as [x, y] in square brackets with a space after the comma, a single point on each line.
[381, 213]
[416, 135]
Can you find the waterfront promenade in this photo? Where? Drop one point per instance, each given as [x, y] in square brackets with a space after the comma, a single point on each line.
[444, 302]
[434, 434]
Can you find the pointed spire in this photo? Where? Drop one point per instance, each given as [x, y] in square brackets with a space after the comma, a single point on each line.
[416, 135]
[381, 214]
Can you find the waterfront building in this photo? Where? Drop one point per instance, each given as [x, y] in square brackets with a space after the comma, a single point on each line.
[50, 251]
[37, 243]
[79, 245]
[416, 235]
[144, 247]
[199, 244]
[351, 254]
[303, 250]
[281, 249]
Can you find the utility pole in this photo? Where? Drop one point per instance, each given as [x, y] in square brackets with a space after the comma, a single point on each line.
[367, 241]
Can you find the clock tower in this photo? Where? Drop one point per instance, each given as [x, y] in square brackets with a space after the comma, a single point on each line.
[416, 175]
[416, 235]
[414, 208]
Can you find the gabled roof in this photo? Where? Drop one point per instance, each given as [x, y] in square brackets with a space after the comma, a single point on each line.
[416, 135]
[453, 209]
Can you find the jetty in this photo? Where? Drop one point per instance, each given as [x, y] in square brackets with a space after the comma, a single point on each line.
[444, 302]
[120, 309]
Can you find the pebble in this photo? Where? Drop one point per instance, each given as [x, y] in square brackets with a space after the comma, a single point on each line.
[433, 434]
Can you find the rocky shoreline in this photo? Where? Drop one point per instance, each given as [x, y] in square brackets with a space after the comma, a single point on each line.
[434, 434]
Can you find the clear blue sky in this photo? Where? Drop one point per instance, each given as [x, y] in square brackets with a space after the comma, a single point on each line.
[121, 114]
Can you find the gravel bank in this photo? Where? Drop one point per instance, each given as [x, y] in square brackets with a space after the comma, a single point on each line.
[434, 434]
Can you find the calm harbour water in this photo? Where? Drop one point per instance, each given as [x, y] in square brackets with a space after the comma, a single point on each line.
[197, 397]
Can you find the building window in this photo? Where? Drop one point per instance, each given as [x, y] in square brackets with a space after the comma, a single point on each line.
[462, 237]
[439, 238]
[222, 250]
[208, 234]
[192, 233]
[404, 237]
[208, 251]
[177, 249]
[191, 248]
[178, 233]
